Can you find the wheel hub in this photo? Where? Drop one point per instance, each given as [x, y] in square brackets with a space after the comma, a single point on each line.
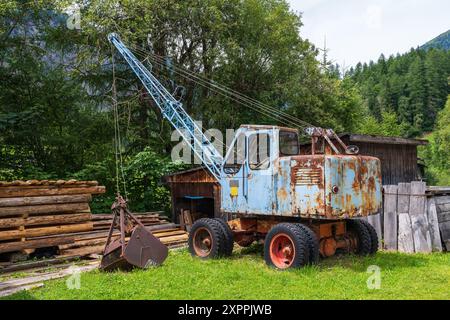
[202, 242]
[282, 251]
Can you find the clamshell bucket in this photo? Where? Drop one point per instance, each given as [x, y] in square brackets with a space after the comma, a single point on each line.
[141, 249]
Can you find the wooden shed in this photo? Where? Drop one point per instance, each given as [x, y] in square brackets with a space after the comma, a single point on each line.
[398, 156]
[195, 190]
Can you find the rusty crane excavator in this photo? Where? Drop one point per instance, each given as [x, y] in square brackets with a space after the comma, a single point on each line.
[302, 206]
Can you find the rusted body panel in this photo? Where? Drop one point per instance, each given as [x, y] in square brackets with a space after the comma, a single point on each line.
[358, 182]
[329, 186]
[311, 186]
[308, 186]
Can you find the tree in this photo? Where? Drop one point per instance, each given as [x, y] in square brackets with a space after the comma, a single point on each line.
[437, 153]
[387, 126]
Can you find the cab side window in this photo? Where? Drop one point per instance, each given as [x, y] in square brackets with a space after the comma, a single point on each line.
[236, 157]
[259, 151]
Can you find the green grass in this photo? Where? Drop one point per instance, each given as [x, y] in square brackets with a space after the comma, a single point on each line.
[245, 276]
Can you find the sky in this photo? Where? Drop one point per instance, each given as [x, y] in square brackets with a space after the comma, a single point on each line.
[360, 30]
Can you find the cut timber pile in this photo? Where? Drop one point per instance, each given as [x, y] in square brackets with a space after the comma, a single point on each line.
[44, 213]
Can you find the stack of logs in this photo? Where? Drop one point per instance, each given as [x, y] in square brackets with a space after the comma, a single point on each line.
[36, 213]
[56, 214]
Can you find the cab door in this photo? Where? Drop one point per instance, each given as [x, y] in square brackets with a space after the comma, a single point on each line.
[259, 189]
[234, 177]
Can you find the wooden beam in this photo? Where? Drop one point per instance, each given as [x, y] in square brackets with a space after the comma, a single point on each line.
[32, 201]
[45, 220]
[9, 192]
[28, 183]
[36, 232]
[436, 244]
[419, 220]
[390, 217]
[12, 283]
[43, 209]
[33, 244]
[405, 237]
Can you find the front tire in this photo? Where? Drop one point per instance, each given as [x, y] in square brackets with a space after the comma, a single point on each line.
[286, 246]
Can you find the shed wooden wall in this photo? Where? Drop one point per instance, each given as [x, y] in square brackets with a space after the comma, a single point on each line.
[195, 182]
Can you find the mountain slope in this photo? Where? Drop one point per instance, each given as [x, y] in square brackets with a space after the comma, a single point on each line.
[442, 41]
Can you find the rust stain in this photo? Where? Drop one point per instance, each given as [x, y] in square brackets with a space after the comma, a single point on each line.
[282, 194]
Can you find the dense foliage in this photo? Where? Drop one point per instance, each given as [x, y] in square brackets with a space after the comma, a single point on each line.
[437, 153]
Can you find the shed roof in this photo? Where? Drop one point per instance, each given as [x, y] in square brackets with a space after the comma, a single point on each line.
[194, 175]
[353, 137]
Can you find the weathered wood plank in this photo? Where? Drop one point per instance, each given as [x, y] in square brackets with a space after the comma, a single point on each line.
[32, 183]
[10, 291]
[390, 217]
[43, 209]
[403, 190]
[442, 200]
[405, 241]
[10, 192]
[436, 244]
[405, 236]
[443, 207]
[444, 228]
[36, 232]
[443, 216]
[45, 220]
[33, 244]
[32, 201]
[438, 190]
[13, 283]
[419, 219]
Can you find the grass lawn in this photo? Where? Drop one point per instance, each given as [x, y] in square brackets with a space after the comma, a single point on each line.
[245, 276]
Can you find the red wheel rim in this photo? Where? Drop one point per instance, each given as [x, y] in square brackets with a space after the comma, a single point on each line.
[282, 251]
[203, 242]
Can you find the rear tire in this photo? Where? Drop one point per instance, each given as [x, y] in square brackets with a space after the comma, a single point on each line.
[313, 243]
[286, 246]
[228, 243]
[206, 239]
[373, 236]
[358, 228]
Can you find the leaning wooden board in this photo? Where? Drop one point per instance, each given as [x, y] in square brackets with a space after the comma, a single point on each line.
[443, 216]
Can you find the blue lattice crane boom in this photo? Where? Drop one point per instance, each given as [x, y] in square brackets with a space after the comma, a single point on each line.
[173, 111]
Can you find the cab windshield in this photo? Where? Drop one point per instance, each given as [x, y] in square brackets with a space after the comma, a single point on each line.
[289, 143]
